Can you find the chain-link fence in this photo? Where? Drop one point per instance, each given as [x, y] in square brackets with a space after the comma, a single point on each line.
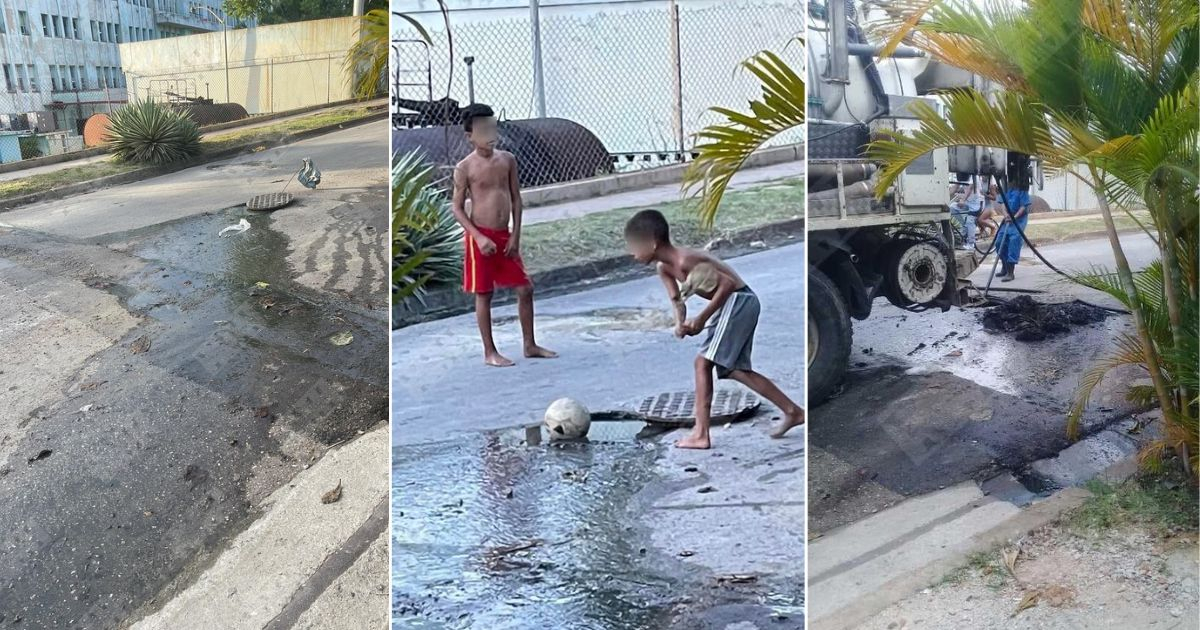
[594, 88]
[217, 93]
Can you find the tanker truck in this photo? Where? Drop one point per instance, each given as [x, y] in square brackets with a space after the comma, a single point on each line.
[901, 246]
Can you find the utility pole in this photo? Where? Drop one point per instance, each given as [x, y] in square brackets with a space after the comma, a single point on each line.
[360, 7]
[539, 79]
[225, 35]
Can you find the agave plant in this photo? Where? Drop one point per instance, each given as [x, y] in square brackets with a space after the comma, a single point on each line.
[147, 132]
[427, 241]
[724, 147]
[1105, 91]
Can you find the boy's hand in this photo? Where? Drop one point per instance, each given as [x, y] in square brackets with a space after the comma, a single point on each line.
[486, 245]
[692, 326]
[513, 248]
[679, 330]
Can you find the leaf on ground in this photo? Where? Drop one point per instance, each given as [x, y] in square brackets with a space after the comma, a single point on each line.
[1028, 601]
[262, 285]
[86, 387]
[334, 495]
[1010, 556]
[140, 345]
[1059, 596]
[341, 338]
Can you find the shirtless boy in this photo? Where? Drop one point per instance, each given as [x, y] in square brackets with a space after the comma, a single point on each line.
[730, 334]
[493, 254]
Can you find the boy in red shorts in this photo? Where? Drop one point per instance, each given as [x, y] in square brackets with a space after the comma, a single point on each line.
[493, 255]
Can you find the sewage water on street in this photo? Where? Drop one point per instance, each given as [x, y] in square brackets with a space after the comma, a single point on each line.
[503, 531]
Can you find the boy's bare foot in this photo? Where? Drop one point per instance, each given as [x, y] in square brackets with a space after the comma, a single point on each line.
[694, 441]
[538, 352]
[495, 359]
[789, 421]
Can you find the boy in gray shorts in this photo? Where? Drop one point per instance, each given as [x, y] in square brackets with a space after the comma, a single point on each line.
[729, 320]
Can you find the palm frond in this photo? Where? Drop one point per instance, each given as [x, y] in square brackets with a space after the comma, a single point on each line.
[723, 148]
[1128, 352]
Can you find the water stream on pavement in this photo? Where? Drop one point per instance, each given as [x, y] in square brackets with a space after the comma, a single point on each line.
[491, 532]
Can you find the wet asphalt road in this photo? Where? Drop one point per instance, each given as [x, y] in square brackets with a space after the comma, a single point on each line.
[219, 385]
[616, 346]
[932, 399]
[602, 517]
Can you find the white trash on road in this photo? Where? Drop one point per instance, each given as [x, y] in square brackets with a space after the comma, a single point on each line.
[241, 226]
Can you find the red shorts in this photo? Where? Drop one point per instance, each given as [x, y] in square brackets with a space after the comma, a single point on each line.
[482, 274]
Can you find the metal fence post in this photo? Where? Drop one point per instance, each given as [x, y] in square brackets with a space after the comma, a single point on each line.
[676, 78]
[539, 80]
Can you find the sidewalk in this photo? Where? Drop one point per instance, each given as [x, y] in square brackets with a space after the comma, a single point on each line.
[52, 168]
[304, 563]
[665, 193]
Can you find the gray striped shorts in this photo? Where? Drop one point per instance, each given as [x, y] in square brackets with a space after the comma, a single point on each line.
[731, 333]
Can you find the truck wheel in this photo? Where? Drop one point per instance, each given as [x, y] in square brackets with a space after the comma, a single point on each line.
[829, 336]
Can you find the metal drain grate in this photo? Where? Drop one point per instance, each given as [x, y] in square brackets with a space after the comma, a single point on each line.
[678, 408]
[271, 201]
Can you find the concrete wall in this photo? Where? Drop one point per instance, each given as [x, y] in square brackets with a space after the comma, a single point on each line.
[271, 68]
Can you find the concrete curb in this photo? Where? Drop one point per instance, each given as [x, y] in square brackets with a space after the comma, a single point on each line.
[451, 301]
[278, 566]
[609, 184]
[1035, 516]
[48, 160]
[155, 171]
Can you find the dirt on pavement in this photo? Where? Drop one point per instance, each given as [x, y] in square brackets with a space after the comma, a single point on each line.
[1118, 579]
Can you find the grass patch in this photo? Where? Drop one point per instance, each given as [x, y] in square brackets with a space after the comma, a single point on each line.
[1062, 230]
[985, 564]
[601, 234]
[1163, 503]
[218, 141]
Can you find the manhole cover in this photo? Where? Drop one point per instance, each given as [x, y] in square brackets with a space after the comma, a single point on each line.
[272, 201]
[678, 408]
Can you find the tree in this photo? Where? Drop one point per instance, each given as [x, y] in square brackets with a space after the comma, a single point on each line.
[268, 12]
[723, 148]
[1101, 90]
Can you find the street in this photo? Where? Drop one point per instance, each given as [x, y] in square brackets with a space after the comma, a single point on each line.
[618, 532]
[161, 382]
[935, 433]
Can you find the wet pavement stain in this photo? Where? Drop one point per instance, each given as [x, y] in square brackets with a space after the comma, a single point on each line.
[489, 532]
[173, 445]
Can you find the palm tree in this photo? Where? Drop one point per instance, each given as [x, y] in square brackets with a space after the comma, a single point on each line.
[366, 62]
[426, 239]
[723, 148]
[1101, 90]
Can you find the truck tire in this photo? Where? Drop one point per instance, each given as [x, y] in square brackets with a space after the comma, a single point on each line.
[829, 337]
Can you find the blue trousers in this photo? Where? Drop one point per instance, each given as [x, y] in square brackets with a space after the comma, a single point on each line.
[1010, 240]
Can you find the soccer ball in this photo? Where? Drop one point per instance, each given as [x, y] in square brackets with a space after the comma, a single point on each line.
[567, 419]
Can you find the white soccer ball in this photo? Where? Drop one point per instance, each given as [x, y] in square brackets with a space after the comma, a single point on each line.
[567, 419]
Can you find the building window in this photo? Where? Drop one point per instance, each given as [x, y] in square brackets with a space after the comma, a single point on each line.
[23, 22]
[54, 84]
[33, 82]
[3, 21]
[8, 78]
[46, 30]
[75, 28]
[22, 77]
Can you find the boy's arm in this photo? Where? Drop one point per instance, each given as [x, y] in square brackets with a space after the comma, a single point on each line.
[457, 206]
[678, 304]
[514, 189]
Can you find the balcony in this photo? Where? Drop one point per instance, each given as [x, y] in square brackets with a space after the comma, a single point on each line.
[180, 15]
[88, 94]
